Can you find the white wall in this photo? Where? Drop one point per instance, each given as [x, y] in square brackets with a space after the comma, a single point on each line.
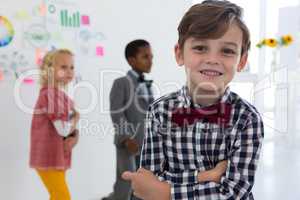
[287, 79]
[92, 174]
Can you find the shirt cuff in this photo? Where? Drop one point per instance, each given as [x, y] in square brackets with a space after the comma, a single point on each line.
[184, 177]
[63, 128]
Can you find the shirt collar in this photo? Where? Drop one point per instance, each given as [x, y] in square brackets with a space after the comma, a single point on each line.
[186, 99]
[134, 73]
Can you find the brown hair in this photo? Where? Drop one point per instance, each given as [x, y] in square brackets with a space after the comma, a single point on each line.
[46, 69]
[211, 19]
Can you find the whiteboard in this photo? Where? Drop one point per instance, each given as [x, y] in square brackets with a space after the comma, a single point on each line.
[97, 32]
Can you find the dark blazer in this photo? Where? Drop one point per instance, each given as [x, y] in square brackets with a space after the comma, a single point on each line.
[128, 112]
[128, 109]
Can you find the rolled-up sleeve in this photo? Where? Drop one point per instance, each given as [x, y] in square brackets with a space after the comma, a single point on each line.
[238, 180]
[152, 156]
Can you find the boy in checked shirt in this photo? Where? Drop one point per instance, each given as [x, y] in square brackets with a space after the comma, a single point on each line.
[203, 141]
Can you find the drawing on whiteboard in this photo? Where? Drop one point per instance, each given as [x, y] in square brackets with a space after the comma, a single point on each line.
[6, 31]
[68, 19]
[87, 40]
[37, 36]
[13, 63]
[40, 10]
[99, 36]
[22, 15]
[85, 36]
[73, 19]
[51, 8]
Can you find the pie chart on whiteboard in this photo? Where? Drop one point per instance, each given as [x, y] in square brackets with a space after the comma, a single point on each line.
[6, 32]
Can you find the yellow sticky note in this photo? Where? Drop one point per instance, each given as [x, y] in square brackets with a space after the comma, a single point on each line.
[23, 15]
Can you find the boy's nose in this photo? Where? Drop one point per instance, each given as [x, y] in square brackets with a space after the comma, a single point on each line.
[212, 58]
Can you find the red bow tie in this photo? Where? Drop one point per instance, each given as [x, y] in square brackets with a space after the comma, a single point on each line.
[217, 114]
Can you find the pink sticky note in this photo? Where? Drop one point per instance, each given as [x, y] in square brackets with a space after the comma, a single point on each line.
[99, 51]
[85, 20]
[28, 80]
[39, 54]
[39, 61]
[43, 9]
[1, 76]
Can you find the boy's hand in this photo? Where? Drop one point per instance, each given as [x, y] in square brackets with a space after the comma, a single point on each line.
[214, 174]
[147, 186]
[131, 146]
[71, 141]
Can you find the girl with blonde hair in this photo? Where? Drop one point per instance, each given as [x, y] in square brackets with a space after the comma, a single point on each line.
[53, 128]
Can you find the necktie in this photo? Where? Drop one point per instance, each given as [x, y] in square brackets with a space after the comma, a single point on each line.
[217, 114]
[148, 84]
[142, 79]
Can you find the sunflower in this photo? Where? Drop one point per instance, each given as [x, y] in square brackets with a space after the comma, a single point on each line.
[284, 40]
[287, 40]
[271, 42]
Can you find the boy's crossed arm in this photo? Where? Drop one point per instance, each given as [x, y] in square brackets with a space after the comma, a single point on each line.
[147, 186]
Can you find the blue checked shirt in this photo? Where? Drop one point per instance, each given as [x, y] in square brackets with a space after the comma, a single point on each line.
[176, 154]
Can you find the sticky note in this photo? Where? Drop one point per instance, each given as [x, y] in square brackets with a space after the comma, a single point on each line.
[85, 20]
[43, 9]
[39, 55]
[28, 80]
[99, 51]
[22, 15]
[1, 75]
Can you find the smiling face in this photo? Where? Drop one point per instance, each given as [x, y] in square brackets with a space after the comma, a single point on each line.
[63, 69]
[211, 63]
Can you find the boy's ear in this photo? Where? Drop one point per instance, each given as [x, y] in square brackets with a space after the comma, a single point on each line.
[178, 55]
[243, 62]
[131, 61]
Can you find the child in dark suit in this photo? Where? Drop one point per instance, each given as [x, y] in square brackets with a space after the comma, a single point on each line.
[130, 98]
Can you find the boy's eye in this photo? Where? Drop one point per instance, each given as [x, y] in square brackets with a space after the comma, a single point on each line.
[200, 48]
[147, 57]
[228, 51]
